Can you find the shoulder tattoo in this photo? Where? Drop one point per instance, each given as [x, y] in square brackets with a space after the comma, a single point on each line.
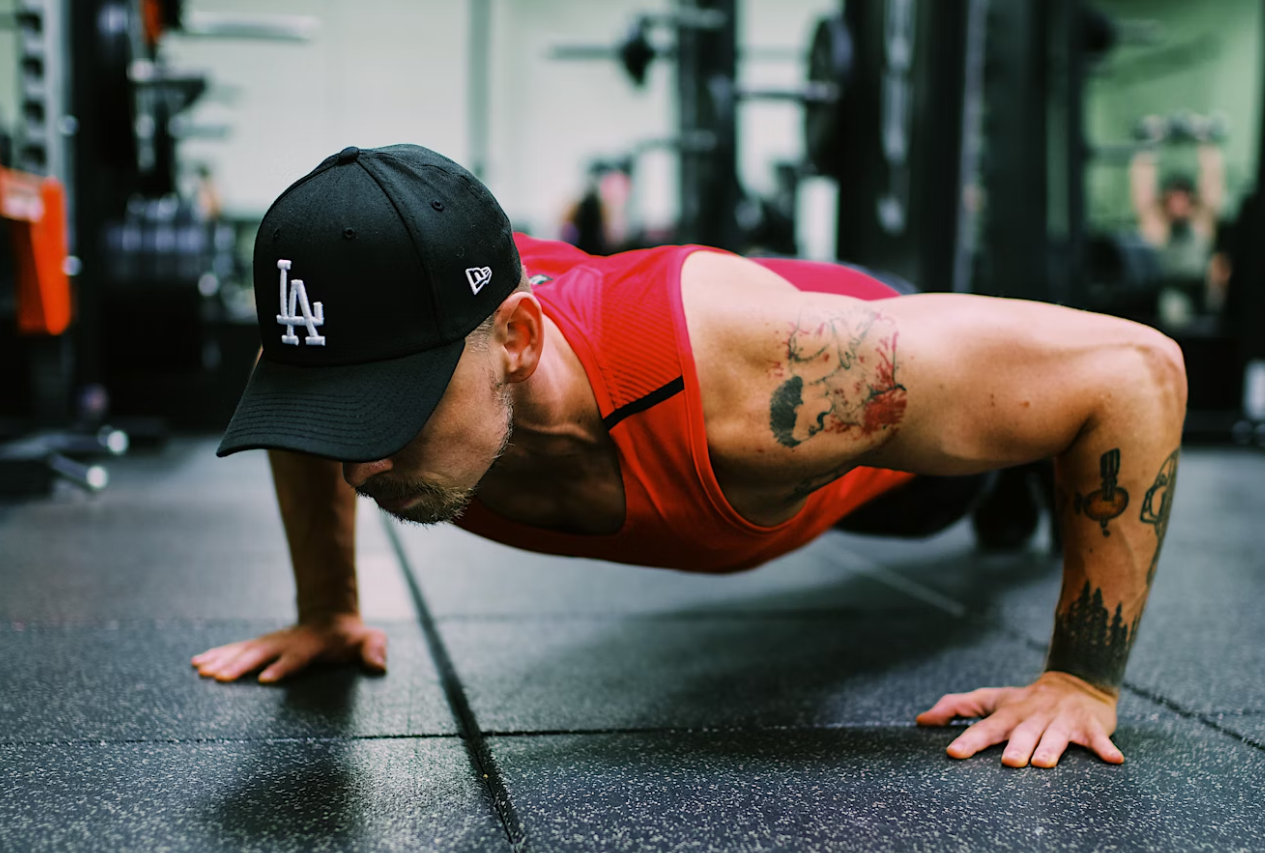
[839, 375]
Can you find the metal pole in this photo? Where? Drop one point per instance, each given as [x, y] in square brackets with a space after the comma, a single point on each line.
[479, 74]
[1075, 293]
[707, 68]
[972, 143]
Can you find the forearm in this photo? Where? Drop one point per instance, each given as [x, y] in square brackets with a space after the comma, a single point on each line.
[1143, 178]
[1211, 178]
[1143, 181]
[318, 510]
[1116, 484]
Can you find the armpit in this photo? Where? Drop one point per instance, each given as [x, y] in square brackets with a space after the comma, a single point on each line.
[838, 376]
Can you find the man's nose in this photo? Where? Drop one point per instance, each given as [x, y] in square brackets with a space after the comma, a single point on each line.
[356, 473]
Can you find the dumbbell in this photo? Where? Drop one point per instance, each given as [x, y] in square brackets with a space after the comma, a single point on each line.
[1187, 126]
[1152, 129]
[1183, 126]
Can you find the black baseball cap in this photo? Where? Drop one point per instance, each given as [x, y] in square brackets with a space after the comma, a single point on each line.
[369, 274]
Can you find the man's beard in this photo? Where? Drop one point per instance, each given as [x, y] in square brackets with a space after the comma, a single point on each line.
[437, 504]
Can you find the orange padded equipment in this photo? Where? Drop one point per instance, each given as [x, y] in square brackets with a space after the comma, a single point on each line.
[36, 210]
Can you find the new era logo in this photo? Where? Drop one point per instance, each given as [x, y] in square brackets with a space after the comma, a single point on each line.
[478, 276]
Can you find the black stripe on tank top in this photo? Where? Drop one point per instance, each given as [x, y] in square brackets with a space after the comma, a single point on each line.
[654, 398]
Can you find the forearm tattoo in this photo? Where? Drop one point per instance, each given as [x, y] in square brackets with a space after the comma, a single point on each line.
[1108, 502]
[1089, 640]
[1157, 505]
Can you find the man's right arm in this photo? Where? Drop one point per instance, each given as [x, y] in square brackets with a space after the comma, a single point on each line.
[318, 510]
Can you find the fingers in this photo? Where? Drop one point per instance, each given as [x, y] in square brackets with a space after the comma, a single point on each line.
[212, 655]
[287, 664]
[1036, 723]
[373, 651]
[197, 659]
[977, 703]
[1105, 749]
[1039, 740]
[981, 736]
[251, 657]
[1053, 744]
[287, 652]
[230, 662]
[1023, 742]
[214, 661]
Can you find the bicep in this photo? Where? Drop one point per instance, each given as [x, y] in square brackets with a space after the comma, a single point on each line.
[798, 388]
[997, 382]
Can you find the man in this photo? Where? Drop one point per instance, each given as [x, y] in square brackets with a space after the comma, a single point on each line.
[677, 407]
[1180, 221]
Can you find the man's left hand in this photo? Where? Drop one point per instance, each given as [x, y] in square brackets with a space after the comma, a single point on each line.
[1039, 721]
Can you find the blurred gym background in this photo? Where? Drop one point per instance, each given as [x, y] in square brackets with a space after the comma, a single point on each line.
[1103, 155]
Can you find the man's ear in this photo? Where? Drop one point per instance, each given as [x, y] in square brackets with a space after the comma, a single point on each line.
[520, 335]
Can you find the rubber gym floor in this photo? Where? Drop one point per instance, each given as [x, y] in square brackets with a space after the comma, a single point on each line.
[547, 704]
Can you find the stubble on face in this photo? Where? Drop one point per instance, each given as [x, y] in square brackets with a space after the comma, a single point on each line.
[436, 504]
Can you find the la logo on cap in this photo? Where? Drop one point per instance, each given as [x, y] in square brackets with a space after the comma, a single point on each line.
[294, 297]
[478, 277]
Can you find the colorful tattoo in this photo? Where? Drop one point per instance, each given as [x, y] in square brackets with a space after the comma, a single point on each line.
[1111, 500]
[842, 378]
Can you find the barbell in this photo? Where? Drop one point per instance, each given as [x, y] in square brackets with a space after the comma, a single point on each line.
[828, 68]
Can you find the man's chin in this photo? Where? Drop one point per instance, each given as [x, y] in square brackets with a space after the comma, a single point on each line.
[427, 516]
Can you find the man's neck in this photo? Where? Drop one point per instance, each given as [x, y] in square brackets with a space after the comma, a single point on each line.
[560, 470]
[555, 413]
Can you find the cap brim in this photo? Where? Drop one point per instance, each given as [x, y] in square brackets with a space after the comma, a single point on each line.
[351, 413]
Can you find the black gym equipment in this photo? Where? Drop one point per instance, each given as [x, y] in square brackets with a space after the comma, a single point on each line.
[955, 130]
[905, 157]
[154, 339]
[155, 330]
[1244, 315]
[830, 61]
[35, 295]
[714, 208]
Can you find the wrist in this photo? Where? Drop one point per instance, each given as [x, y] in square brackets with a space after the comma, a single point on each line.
[1105, 692]
[325, 608]
[327, 620]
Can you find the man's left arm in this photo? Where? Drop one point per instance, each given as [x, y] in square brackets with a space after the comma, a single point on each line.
[1117, 392]
[948, 384]
[1211, 182]
[1113, 526]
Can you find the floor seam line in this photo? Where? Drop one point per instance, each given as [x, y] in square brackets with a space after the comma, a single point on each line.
[226, 740]
[913, 589]
[922, 593]
[487, 773]
[736, 615]
[1159, 699]
[687, 730]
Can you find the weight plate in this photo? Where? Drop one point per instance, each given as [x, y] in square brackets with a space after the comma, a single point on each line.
[830, 65]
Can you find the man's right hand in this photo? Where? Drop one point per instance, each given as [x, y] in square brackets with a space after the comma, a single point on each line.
[335, 639]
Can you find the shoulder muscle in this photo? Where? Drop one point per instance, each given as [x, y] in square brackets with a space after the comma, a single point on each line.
[795, 385]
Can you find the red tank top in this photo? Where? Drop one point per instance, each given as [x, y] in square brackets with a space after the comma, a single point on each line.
[623, 317]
